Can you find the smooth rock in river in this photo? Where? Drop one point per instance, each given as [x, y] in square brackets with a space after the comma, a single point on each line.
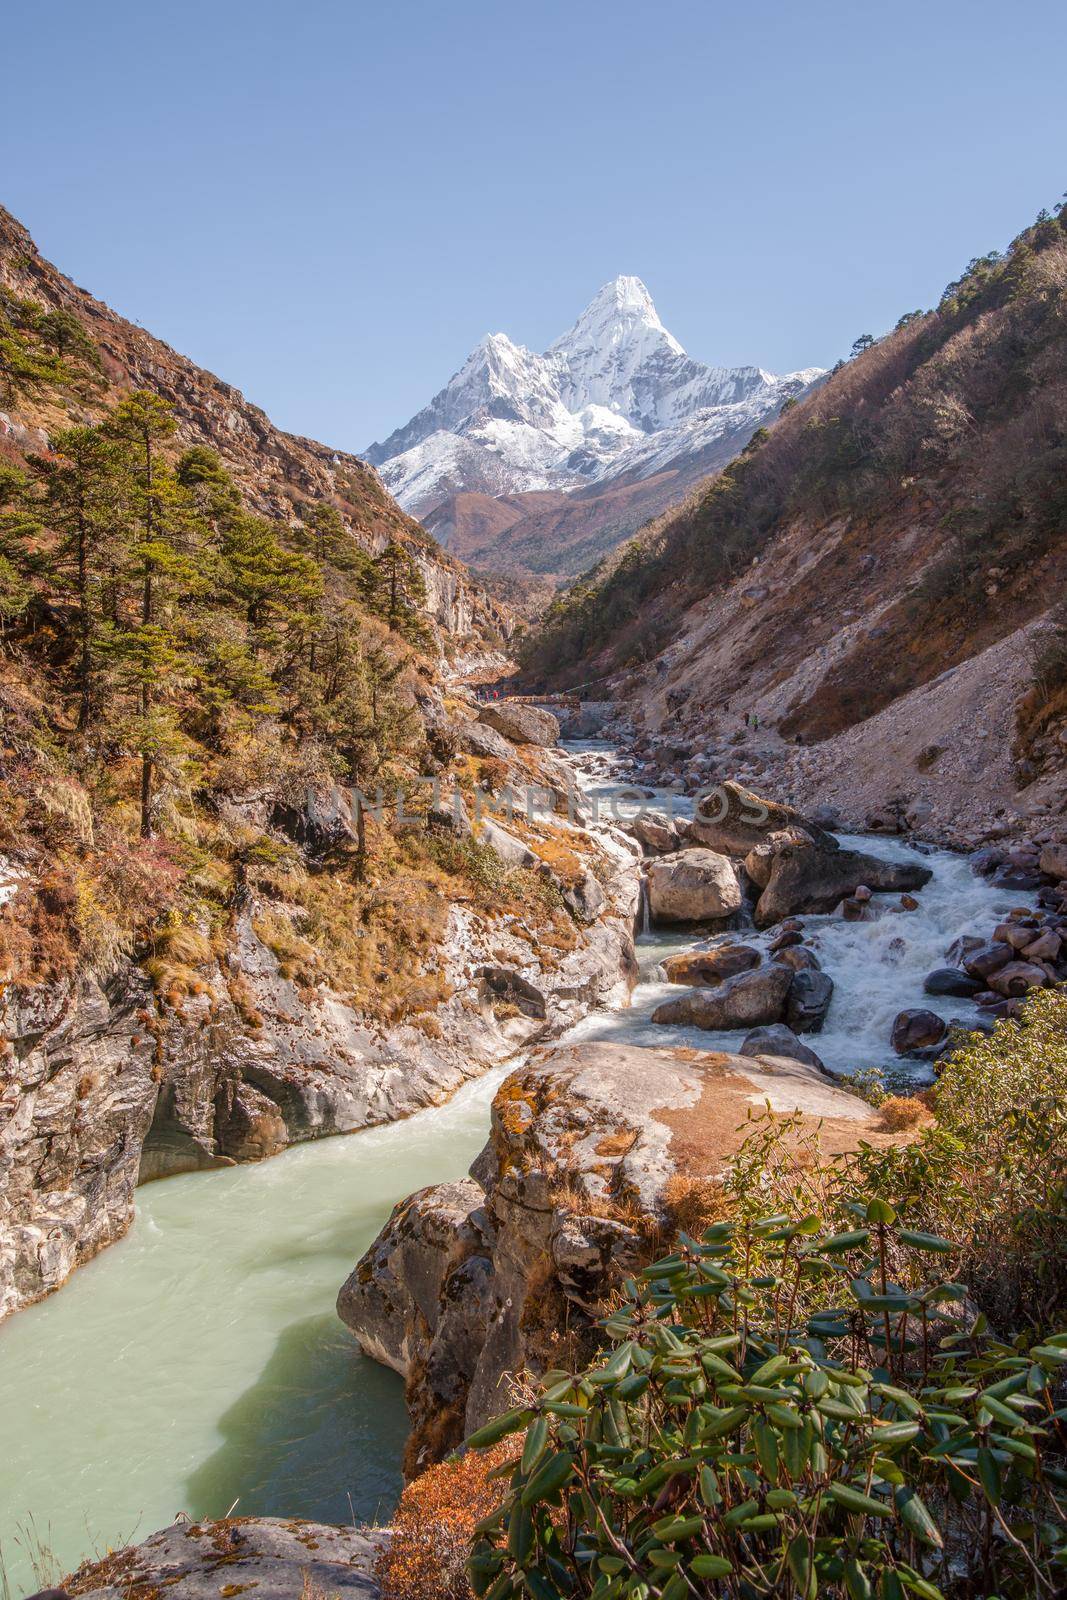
[520, 723]
[693, 886]
[917, 1030]
[799, 957]
[656, 831]
[778, 1040]
[1047, 946]
[810, 878]
[985, 861]
[961, 948]
[747, 1001]
[706, 968]
[951, 981]
[760, 858]
[1016, 978]
[987, 959]
[808, 1001]
[1020, 880]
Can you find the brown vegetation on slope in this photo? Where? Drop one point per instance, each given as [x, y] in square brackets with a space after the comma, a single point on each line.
[926, 478]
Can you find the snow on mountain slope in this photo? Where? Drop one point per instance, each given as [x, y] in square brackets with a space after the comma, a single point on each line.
[616, 393]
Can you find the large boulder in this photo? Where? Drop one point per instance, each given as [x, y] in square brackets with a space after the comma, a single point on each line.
[811, 878]
[734, 820]
[656, 832]
[325, 820]
[693, 886]
[746, 1001]
[272, 1558]
[520, 723]
[778, 1040]
[591, 1146]
[479, 739]
[504, 845]
[706, 968]
[760, 858]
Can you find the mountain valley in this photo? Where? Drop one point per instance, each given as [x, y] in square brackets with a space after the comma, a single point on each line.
[618, 917]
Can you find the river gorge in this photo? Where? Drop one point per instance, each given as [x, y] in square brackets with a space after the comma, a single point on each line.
[199, 1364]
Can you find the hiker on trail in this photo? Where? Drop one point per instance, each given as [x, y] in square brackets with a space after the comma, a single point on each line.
[746, 719]
[755, 723]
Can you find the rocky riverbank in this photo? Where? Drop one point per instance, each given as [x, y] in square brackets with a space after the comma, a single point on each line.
[594, 1149]
[597, 1146]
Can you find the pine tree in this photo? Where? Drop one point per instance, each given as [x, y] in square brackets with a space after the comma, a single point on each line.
[148, 649]
[87, 503]
[274, 587]
[395, 590]
[17, 525]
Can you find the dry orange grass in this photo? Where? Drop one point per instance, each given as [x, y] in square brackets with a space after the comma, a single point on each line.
[434, 1525]
[693, 1203]
[903, 1111]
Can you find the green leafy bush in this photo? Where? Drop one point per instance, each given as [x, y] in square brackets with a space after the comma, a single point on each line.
[887, 1445]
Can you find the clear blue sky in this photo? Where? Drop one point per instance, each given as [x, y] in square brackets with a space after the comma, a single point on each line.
[328, 202]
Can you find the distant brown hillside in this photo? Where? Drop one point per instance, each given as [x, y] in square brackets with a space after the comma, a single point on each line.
[558, 536]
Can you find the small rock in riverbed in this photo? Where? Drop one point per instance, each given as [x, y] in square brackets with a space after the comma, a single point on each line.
[709, 967]
[799, 957]
[1016, 978]
[778, 1040]
[987, 959]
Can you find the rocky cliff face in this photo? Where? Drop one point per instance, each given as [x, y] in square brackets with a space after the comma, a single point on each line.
[593, 1149]
[110, 1081]
[275, 471]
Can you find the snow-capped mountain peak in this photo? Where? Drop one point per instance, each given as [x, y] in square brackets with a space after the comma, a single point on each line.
[621, 312]
[615, 391]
